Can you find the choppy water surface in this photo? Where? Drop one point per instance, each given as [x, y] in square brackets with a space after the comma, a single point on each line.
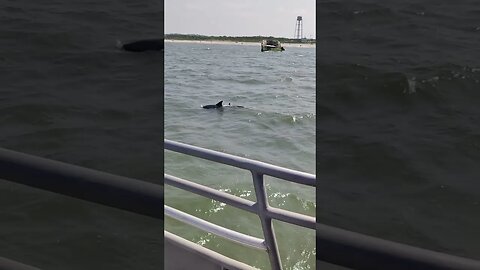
[276, 125]
[398, 132]
[67, 93]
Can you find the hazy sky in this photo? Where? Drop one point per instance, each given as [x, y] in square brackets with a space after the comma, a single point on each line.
[239, 17]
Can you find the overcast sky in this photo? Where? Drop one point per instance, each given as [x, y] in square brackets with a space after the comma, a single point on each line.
[239, 17]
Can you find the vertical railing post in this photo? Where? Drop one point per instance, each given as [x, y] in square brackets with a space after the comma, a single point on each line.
[267, 226]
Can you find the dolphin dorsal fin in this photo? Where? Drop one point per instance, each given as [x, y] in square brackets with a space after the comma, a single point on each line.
[219, 104]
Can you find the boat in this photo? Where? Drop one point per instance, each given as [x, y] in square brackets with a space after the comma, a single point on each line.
[177, 249]
[271, 45]
[335, 246]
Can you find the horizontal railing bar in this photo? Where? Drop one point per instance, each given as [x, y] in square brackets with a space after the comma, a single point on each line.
[211, 193]
[291, 217]
[272, 212]
[240, 238]
[112, 190]
[244, 163]
[7, 264]
[358, 251]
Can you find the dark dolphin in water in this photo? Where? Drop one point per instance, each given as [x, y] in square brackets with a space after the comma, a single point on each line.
[219, 105]
[216, 106]
[142, 45]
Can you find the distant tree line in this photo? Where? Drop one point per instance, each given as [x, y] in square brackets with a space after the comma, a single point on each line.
[234, 39]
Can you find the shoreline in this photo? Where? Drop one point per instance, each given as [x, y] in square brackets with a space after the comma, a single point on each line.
[222, 42]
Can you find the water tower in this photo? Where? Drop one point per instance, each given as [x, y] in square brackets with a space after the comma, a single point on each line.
[298, 28]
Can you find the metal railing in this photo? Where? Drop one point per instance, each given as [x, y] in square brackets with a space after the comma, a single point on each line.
[261, 207]
[334, 245]
[90, 185]
[7, 264]
[363, 252]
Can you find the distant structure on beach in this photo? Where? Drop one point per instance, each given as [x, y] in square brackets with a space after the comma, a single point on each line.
[298, 29]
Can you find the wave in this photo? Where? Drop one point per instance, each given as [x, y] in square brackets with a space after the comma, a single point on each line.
[242, 80]
[275, 118]
[351, 84]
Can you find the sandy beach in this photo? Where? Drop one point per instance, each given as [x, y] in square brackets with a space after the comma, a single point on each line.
[213, 42]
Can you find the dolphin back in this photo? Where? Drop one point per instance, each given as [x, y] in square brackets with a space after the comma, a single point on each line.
[143, 45]
[218, 105]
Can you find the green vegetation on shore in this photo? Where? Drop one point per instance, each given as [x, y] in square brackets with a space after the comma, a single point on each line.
[235, 39]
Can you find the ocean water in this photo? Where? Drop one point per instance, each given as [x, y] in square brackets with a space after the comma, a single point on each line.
[276, 125]
[67, 93]
[398, 132]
